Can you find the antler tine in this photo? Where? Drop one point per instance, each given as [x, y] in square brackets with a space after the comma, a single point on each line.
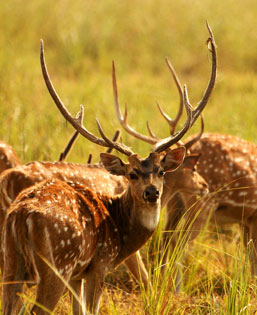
[89, 160]
[79, 117]
[197, 111]
[109, 150]
[123, 120]
[79, 127]
[151, 132]
[115, 138]
[189, 144]
[173, 122]
[114, 145]
[166, 143]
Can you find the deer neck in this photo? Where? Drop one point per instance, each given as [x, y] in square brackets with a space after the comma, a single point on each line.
[135, 221]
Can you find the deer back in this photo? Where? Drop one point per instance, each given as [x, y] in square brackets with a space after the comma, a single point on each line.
[96, 177]
[229, 165]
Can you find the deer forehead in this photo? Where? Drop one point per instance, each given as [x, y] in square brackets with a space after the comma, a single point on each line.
[148, 165]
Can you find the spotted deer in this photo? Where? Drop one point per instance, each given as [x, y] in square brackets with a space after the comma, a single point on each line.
[97, 178]
[8, 157]
[229, 165]
[85, 234]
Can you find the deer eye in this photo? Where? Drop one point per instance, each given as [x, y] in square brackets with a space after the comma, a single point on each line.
[133, 176]
[161, 173]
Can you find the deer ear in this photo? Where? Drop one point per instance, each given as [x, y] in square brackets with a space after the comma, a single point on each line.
[173, 159]
[190, 161]
[113, 164]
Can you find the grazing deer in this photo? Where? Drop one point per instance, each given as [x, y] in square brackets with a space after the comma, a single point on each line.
[229, 165]
[8, 157]
[85, 234]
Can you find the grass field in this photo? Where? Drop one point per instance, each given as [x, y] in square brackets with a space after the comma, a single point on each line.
[81, 39]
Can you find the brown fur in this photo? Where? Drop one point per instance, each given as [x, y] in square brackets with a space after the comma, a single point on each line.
[80, 234]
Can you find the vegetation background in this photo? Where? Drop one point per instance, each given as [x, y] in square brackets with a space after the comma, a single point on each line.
[81, 39]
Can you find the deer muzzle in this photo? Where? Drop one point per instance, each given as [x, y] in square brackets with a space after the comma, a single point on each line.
[151, 194]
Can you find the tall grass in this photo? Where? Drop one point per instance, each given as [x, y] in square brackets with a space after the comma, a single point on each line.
[81, 39]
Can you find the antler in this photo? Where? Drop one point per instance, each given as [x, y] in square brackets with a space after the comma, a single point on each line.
[197, 111]
[161, 145]
[172, 139]
[189, 144]
[184, 95]
[106, 142]
[63, 155]
[114, 138]
[109, 150]
[123, 120]
[173, 122]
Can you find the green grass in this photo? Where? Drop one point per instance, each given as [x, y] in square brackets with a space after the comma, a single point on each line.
[81, 39]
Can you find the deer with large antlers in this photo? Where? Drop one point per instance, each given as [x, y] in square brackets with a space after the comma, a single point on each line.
[95, 177]
[85, 235]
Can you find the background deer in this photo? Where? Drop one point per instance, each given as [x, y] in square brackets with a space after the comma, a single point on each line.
[229, 166]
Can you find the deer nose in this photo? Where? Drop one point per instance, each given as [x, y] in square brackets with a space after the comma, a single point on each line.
[151, 193]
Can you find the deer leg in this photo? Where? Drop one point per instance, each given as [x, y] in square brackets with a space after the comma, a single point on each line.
[14, 273]
[12, 286]
[137, 268]
[94, 285]
[49, 291]
[50, 287]
[78, 307]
